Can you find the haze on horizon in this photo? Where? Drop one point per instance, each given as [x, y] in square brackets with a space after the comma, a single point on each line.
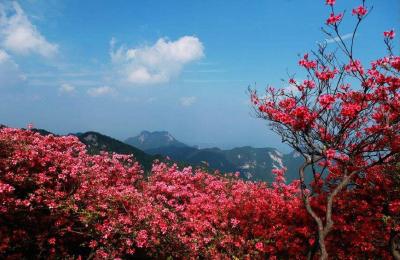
[120, 67]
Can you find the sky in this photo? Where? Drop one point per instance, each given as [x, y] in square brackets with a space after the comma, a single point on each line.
[120, 67]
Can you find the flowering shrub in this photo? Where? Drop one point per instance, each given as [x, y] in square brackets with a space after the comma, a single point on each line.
[58, 200]
[55, 198]
[348, 136]
[219, 217]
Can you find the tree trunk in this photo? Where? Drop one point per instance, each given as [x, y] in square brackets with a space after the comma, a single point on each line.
[394, 246]
[324, 253]
[323, 229]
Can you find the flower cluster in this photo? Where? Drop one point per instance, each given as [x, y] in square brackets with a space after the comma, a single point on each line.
[326, 100]
[389, 34]
[334, 19]
[307, 63]
[360, 11]
[330, 2]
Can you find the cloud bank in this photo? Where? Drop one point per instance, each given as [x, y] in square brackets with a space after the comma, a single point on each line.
[158, 63]
[20, 36]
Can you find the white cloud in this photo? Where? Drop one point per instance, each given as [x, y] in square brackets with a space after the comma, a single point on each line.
[158, 63]
[21, 36]
[187, 101]
[344, 37]
[101, 91]
[66, 88]
[10, 75]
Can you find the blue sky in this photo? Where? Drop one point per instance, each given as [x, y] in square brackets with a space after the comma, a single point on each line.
[119, 67]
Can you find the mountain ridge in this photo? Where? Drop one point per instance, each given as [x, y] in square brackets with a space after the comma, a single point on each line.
[252, 163]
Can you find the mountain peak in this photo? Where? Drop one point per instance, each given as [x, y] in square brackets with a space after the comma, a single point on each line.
[150, 140]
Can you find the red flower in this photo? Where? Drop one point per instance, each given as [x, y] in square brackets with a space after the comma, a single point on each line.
[330, 154]
[326, 101]
[333, 19]
[389, 34]
[234, 222]
[260, 246]
[354, 66]
[52, 241]
[306, 63]
[326, 74]
[360, 11]
[309, 84]
[330, 2]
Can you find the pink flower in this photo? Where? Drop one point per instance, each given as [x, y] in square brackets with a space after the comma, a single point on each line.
[306, 63]
[279, 175]
[394, 206]
[52, 241]
[389, 34]
[254, 99]
[330, 154]
[326, 74]
[354, 66]
[330, 2]
[260, 246]
[6, 188]
[309, 84]
[92, 244]
[287, 103]
[350, 109]
[234, 222]
[360, 11]
[141, 238]
[333, 19]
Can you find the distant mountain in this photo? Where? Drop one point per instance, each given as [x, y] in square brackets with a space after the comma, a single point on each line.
[96, 142]
[253, 163]
[212, 158]
[256, 163]
[150, 140]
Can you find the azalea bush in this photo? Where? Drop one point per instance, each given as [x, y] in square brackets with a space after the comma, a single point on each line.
[343, 117]
[57, 200]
